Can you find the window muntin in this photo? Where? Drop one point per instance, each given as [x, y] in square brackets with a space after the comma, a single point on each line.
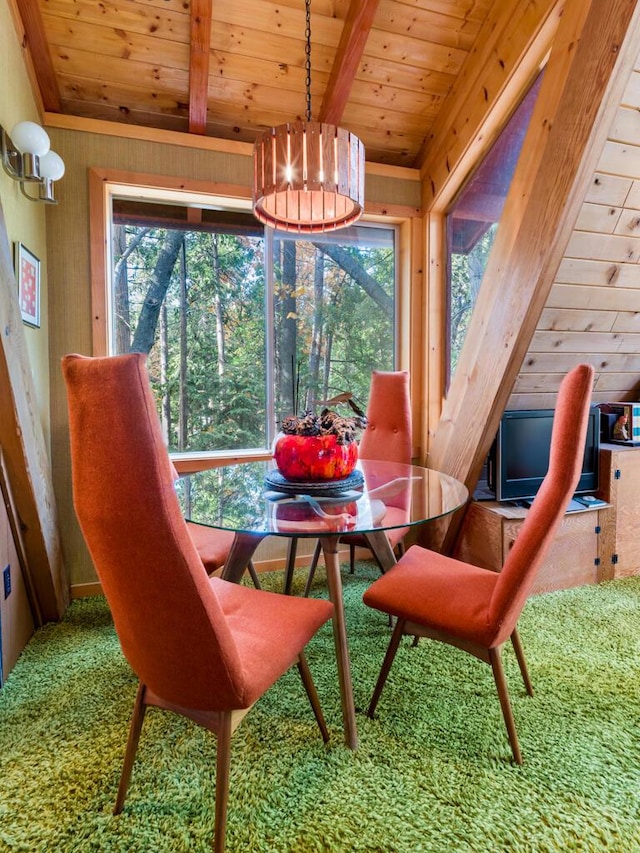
[238, 321]
[472, 223]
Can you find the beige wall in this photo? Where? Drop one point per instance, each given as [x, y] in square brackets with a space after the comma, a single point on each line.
[25, 221]
[70, 300]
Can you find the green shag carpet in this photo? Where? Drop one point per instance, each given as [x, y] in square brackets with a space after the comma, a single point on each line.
[433, 771]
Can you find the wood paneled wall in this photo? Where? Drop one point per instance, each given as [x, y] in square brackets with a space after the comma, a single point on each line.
[593, 311]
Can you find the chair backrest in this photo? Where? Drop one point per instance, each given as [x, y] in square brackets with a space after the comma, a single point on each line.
[387, 436]
[536, 534]
[167, 616]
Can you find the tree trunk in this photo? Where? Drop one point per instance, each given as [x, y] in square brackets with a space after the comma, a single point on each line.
[289, 328]
[146, 329]
[121, 318]
[351, 266]
[313, 391]
[164, 373]
[183, 410]
[217, 307]
[327, 366]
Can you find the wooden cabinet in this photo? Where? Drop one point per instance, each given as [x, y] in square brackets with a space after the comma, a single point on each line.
[490, 529]
[620, 486]
[592, 545]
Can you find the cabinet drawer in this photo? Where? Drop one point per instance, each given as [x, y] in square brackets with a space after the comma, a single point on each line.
[620, 484]
[571, 559]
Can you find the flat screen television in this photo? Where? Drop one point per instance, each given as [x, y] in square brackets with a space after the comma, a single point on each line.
[519, 458]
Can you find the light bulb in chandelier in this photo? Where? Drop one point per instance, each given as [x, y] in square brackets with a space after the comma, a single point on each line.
[308, 175]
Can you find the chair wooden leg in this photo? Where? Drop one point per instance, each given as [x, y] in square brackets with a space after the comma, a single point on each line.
[312, 569]
[386, 665]
[139, 709]
[400, 549]
[222, 781]
[352, 559]
[254, 575]
[291, 565]
[309, 686]
[503, 694]
[522, 663]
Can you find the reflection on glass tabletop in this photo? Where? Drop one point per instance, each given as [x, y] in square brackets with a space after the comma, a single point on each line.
[238, 498]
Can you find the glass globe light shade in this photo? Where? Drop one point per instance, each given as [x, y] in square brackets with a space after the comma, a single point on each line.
[30, 138]
[52, 166]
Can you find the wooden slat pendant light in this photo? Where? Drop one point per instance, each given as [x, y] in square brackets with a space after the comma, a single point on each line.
[308, 175]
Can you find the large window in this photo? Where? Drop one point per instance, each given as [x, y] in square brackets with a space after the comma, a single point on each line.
[243, 325]
[472, 223]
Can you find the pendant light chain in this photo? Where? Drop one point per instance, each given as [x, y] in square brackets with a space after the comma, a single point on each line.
[307, 51]
[308, 175]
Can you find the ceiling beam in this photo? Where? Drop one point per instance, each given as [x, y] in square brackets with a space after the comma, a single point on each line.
[354, 36]
[201, 13]
[589, 66]
[39, 55]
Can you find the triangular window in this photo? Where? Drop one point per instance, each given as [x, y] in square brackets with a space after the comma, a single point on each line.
[472, 223]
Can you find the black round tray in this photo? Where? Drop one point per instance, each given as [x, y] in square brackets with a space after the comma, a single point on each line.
[317, 488]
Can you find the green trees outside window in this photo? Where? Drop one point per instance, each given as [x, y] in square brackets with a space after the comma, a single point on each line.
[333, 315]
[239, 324]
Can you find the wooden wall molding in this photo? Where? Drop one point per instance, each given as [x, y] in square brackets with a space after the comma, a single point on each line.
[187, 140]
[147, 134]
[21, 35]
[36, 45]
[100, 180]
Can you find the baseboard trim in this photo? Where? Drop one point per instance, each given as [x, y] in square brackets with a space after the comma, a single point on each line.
[86, 590]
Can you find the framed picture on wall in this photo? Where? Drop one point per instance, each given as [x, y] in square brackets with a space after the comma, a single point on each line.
[28, 274]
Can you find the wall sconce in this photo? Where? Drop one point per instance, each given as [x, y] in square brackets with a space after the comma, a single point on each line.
[26, 158]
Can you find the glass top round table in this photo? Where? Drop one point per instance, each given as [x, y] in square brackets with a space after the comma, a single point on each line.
[241, 498]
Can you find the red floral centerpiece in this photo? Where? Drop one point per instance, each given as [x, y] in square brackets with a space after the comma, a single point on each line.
[318, 447]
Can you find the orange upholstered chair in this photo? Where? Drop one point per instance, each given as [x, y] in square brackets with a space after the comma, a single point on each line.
[475, 609]
[213, 545]
[387, 438]
[202, 647]
[213, 548]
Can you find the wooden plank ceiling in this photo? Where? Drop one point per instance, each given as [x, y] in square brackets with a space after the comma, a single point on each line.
[232, 68]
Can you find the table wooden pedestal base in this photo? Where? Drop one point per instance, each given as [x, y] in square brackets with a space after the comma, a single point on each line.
[242, 551]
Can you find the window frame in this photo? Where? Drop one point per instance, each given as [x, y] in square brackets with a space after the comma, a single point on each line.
[104, 185]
